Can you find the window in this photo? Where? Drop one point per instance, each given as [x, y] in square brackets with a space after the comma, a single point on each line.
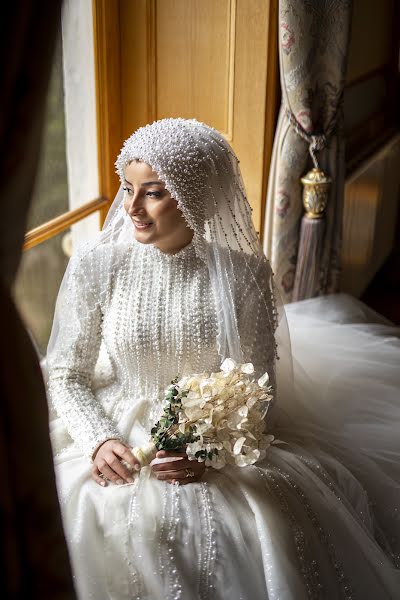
[42, 267]
[66, 206]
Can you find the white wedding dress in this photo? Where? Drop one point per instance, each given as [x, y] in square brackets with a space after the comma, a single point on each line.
[296, 526]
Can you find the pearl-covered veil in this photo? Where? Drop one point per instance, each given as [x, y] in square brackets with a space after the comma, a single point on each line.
[201, 172]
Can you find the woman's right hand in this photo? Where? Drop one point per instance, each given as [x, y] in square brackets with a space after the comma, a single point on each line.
[107, 463]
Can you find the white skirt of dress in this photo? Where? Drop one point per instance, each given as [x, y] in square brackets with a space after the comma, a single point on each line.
[318, 518]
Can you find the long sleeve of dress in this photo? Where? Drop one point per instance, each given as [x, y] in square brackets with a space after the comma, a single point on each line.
[72, 355]
[257, 320]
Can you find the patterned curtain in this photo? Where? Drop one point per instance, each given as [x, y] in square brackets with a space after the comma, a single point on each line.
[34, 558]
[313, 48]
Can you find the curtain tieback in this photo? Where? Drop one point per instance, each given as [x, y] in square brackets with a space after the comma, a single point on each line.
[315, 183]
[312, 230]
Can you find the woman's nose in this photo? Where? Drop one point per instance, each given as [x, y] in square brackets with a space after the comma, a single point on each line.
[135, 204]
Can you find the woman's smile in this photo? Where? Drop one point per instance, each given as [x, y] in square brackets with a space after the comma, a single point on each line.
[141, 225]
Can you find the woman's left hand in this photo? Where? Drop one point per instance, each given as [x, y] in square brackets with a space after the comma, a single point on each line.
[177, 471]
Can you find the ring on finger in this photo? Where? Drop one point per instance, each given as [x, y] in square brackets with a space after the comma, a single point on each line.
[189, 473]
[102, 476]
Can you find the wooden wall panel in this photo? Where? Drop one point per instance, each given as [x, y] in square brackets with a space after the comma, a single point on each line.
[208, 59]
[251, 101]
[371, 41]
[195, 61]
[135, 37]
[371, 95]
[371, 203]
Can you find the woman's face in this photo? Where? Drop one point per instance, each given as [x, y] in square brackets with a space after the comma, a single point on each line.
[154, 213]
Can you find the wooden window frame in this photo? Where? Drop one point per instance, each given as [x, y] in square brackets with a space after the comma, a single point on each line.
[108, 109]
[51, 228]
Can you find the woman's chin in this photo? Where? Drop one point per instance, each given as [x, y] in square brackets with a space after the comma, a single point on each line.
[144, 237]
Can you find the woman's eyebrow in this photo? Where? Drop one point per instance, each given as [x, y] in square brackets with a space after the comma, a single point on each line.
[146, 182]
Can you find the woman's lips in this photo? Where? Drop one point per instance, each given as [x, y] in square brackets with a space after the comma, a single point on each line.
[142, 226]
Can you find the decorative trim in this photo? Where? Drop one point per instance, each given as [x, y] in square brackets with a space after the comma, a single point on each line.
[273, 99]
[228, 134]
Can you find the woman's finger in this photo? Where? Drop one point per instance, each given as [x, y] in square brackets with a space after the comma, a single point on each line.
[126, 455]
[181, 474]
[96, 475]
[178, 478]
[172, 465]
[108, 472]
[181, 466]
[175, 475]
[166, 453]
[122, 472]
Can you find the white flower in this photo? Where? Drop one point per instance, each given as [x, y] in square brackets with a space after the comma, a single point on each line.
[238, 445]
[264, 379]
[217, 461]
[242, 460]
[227, 410]
[228, 365]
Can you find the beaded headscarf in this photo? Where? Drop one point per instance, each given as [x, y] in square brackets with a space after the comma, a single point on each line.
[201, 172]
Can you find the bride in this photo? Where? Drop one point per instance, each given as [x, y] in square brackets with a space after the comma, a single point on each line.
[176, 282]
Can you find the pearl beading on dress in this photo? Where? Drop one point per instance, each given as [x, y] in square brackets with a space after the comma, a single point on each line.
[156, 319]
[201, 171]
[147, 309]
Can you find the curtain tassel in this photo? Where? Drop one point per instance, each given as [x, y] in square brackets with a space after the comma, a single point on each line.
[315, 198]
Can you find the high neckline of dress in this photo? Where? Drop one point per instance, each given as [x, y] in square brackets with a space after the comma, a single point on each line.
[186, 252]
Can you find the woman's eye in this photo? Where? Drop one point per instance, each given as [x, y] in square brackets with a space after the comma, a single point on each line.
[153, 194]
[130, 192]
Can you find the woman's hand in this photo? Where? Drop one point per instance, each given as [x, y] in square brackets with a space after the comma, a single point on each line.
[177, 471]
[107, 463]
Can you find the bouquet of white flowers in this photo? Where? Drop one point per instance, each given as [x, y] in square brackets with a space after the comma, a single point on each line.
[218, 418]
